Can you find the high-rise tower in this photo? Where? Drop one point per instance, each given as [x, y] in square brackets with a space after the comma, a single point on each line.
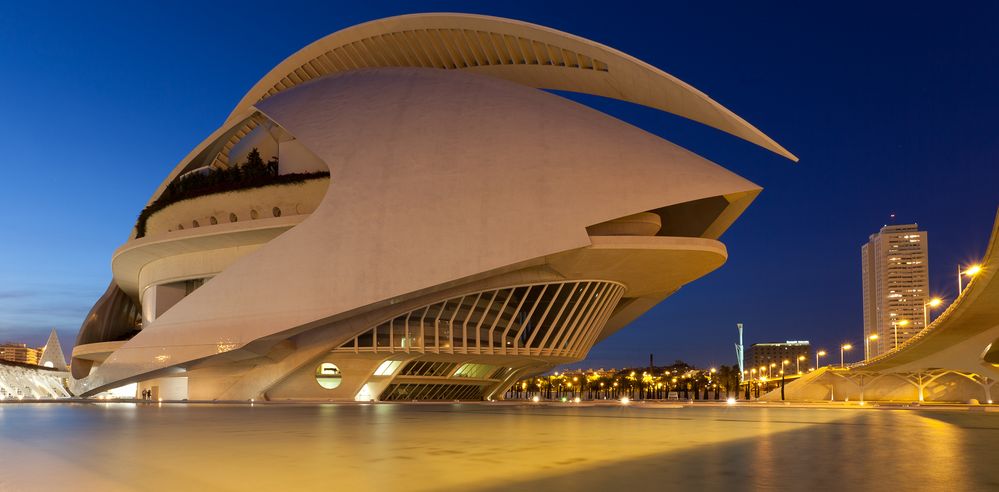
[896, 286]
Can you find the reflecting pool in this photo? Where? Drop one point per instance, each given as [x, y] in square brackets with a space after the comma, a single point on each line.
[123, 446]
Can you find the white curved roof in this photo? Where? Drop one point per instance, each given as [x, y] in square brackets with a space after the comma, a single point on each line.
[436, 178]
[521, 52]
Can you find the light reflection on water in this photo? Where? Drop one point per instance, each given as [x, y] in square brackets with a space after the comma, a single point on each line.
[117, 446]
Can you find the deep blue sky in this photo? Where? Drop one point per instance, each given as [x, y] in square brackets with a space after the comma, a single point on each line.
[891, 108]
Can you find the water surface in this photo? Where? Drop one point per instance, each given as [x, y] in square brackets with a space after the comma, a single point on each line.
[122, 446]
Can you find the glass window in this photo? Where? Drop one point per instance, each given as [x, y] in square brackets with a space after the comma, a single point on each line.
[328, 375]
[387, 368]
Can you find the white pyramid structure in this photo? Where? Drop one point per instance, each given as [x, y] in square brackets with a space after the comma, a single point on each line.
[52, 355]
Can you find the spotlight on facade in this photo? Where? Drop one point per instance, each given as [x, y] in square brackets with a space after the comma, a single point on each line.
[536, 399]
[625, 400]
[730, 401]
[577, 400]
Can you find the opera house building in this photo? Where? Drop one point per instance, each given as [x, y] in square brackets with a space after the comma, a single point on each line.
[404, 210]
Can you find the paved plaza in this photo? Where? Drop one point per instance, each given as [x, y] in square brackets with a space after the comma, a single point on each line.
[499, 446]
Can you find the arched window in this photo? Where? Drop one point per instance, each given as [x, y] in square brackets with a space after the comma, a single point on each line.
[196, 224]
[276, 212]
[213, 220]
[180, 227]
[254, 214]
[233, 218]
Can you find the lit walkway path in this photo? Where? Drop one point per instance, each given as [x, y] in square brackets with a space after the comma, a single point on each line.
[492, 447]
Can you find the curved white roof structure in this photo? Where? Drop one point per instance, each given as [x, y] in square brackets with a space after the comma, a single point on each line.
[419, 231]
[528, 54]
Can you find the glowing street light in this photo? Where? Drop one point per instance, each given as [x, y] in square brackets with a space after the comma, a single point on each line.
[936, 301]
[894, 327]
[971, 272]
[843, 348]
[820, 353]
[797, 364]
[867, 345]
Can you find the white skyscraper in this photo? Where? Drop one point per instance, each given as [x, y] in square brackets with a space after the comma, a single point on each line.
[896, 286]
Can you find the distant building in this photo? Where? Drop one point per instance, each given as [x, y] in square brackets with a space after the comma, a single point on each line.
[19, 352]
[52, 355]
[764, 354]
[896, 286]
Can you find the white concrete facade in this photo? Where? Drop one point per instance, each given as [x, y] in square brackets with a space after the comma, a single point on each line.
[458, 202]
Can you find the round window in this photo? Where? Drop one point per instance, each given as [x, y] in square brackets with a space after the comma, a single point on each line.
[213, 220]
[254, 214]
[328, 375]
[276, 212]
[195, 224]
[233, 218]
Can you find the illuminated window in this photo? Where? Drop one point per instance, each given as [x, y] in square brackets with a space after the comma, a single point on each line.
[387, 368]
[328, 375]
[476, 371]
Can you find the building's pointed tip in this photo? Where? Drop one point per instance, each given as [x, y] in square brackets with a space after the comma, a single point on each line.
[52, 355]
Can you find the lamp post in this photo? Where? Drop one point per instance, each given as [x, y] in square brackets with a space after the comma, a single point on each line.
[936, 301]
[894, 328]
[770, 370]
[797, 364]
[843, 348]
[820, 353]
[971, 272]
[867, 345]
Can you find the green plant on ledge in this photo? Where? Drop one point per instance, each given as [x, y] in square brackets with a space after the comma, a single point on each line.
[254, 173]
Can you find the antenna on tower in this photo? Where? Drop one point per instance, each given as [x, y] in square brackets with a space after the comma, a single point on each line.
[738, 352]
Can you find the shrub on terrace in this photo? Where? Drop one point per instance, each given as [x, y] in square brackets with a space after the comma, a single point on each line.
[254, 173]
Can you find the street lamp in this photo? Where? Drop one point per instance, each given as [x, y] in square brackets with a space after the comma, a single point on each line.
[797, 364]
[770, 370]
[867, 345]
[820, 353]
[936, 301]
[971, 272]
[842, 348]
[894, 327]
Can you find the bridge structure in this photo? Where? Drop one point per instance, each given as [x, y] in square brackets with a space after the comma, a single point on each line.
[954, 359]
